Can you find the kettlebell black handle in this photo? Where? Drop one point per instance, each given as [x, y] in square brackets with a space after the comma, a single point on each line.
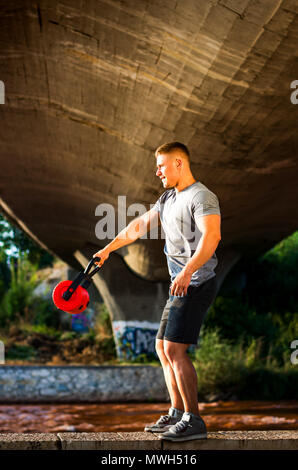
[89, 266]
[85, 276]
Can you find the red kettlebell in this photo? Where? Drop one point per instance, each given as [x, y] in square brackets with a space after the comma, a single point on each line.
[70, 296]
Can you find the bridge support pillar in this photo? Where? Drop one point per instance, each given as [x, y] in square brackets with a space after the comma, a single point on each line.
[135, 304]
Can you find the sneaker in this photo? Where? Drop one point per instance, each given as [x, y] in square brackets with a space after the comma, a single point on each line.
[188, 428]
[166, 421]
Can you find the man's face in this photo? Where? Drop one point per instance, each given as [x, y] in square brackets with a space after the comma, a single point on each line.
[167, 170]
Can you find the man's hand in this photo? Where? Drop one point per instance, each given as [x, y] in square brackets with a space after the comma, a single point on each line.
[181, 283]
[103, 255]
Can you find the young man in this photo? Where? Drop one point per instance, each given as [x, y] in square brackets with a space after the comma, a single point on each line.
[190, 216]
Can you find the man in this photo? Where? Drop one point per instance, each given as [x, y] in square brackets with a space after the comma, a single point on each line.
[190, 216]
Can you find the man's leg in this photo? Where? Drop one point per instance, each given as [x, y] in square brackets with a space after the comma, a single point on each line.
[184, 373]
[176, 410]
[175, 396]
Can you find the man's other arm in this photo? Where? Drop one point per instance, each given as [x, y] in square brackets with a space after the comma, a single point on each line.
[209, 226]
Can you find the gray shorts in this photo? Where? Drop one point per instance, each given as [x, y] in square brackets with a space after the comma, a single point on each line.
[182, 317]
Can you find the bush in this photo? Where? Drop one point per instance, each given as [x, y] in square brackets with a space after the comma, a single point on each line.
[103, 331]
[20, 305]
[68, 335]
[272, 278]
[42, 330]
[20, 352]
[239, 322]
[14, 240]
[19, 297]
[268, 383]
[5, 276]
[42, 312]
[218, 363]
[225, 367]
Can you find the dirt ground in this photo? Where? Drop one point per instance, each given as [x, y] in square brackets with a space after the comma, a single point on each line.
[31, 348]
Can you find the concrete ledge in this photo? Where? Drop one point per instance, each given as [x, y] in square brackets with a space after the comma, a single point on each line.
[242, 440]
[109, 441]
[12, 441]
[221, 440]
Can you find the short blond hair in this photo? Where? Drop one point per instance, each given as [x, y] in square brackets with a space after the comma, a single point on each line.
[170, 147]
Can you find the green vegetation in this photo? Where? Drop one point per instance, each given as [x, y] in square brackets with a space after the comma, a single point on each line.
[15, 242]
[19, 352]
[229, 369]
[19, 303]
[245, 343]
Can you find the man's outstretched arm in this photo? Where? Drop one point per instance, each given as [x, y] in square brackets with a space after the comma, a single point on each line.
[134, 230]
[209, 226]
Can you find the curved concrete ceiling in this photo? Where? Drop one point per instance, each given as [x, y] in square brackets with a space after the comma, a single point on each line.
[91, 89]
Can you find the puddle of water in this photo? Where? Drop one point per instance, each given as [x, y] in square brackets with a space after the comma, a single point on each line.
[113, 417]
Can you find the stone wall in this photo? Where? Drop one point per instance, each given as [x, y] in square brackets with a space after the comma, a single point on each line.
[35, 384]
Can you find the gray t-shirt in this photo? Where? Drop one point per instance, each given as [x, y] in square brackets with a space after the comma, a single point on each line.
[178, 214]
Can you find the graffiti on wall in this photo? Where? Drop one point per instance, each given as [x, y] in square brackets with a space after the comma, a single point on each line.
[134, 338]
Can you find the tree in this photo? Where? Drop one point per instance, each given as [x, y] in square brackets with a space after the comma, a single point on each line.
[14, 242]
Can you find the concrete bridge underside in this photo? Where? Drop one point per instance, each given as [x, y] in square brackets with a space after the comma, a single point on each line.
[92, 89]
